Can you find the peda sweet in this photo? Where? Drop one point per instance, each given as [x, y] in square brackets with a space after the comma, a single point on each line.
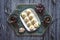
[32, 28]
[33, 21]
[36, 25]
[23, 15]
[28, 23]
[31, 16]
[28, 11]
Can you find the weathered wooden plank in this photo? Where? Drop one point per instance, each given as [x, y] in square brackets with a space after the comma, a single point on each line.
[54, 26]
[2, 12]
[58, 21]
[51, 13]
[14, 3]
[5, 30]
[46, 4]
[1, 37]
[8, 34]
[0, 23]
[37, 1]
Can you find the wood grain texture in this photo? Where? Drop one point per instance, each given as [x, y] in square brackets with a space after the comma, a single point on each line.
[58, 21]
[6, 33]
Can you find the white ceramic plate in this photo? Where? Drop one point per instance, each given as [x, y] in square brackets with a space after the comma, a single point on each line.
[35, 15]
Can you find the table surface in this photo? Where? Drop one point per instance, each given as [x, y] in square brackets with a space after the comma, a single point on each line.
[53, 8]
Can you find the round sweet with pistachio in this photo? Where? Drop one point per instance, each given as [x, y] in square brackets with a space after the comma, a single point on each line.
[28, 12]
[31, 16]
[23, 15]
[29, 23]
[32, 28]
[26, 19]
[33, 21]
[36, 25]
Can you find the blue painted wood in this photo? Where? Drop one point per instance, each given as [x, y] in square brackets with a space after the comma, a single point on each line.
[58, 21]
[50, 9]
[46, 4]
[6, 33]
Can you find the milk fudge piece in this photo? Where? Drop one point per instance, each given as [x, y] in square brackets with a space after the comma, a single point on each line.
[31, 16]
[26, 19]
[36, 25]
[23, 15]
[28, 11]
[29, 23]
[32, 28]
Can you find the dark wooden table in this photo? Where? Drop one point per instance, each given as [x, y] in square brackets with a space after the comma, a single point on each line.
[52, 33]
